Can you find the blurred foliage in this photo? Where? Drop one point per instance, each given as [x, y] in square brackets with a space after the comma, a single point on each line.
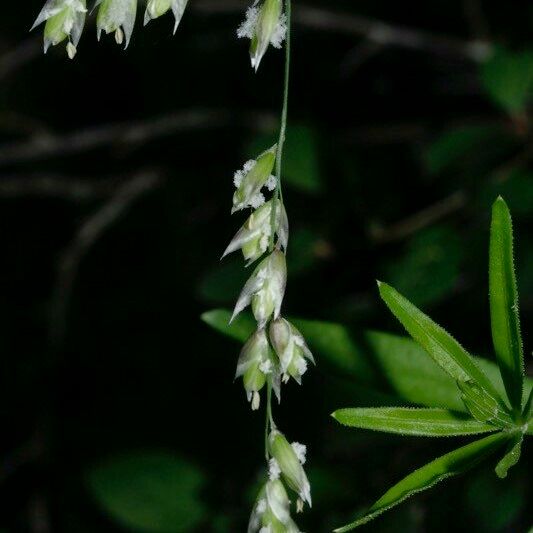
[150, 492]
[508, 79]
[436, 255]
[383, 141]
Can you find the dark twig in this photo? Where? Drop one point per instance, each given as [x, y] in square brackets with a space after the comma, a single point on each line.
[375, 31]
[445, 207]
[89, 232]
[420, 220]
[128, 133]
[56, 186]
[19, 56]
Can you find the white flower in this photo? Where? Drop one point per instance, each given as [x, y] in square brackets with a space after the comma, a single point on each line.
[264, 25]
[157, 8]
[290, 463]
[256, 365]
[265, 289]
[291, 349]
[64, 20]
[254, 236]
[249, 181]
[118, 17]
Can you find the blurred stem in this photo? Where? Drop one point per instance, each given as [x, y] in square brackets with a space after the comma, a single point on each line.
[278, 193]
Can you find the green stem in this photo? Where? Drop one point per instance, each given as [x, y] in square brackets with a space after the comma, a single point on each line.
[278, 193]
[269, 422]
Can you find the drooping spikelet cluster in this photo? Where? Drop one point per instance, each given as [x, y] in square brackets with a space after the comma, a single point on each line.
[65, 19]
[276, 351]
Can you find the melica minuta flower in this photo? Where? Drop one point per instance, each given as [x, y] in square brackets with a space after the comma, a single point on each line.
[257, 365]
[64, 20]
[256, 174]
[118, 17]
[287, 460]
[291, 349]
[254, 236]
[264, 25]
[265, 289]
[271, 512]
[157, 8]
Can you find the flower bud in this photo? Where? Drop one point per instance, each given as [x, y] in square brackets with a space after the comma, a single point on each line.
[291, 348]
[254, 236]
[249, 181]
[263, 25]
[289, 460]
[157, 8]
[257, 365]
[265, 289]
[64, 20]
[118, 17]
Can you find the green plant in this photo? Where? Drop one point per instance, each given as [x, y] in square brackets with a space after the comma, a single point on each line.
[506, 419]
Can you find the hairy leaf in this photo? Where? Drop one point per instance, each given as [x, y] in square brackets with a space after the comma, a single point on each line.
[424, 478]
[504, 304]
[482, 407]
[511, 457]
[439, 344]
[410, 421]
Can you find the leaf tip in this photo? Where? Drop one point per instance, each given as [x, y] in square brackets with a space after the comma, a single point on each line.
[500, 203]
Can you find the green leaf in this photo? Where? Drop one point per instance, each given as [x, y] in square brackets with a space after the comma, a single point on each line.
[504, 304]
[333, 343]
[409, 421]
[511, 457]
[439, 344]
[149, 492]
[240, 329]
[482, 407]
[508, 79]
[222, 284]
[424, 478]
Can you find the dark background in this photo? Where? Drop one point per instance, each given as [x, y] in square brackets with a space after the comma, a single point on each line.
[115, 191]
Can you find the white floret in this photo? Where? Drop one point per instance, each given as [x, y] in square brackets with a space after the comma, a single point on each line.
[247, 28]
[257, 200]
[266, 366]
[271, 183]
[273, 469]
[300, 450]
[237, 178]
[301, 366]
[280, 32]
